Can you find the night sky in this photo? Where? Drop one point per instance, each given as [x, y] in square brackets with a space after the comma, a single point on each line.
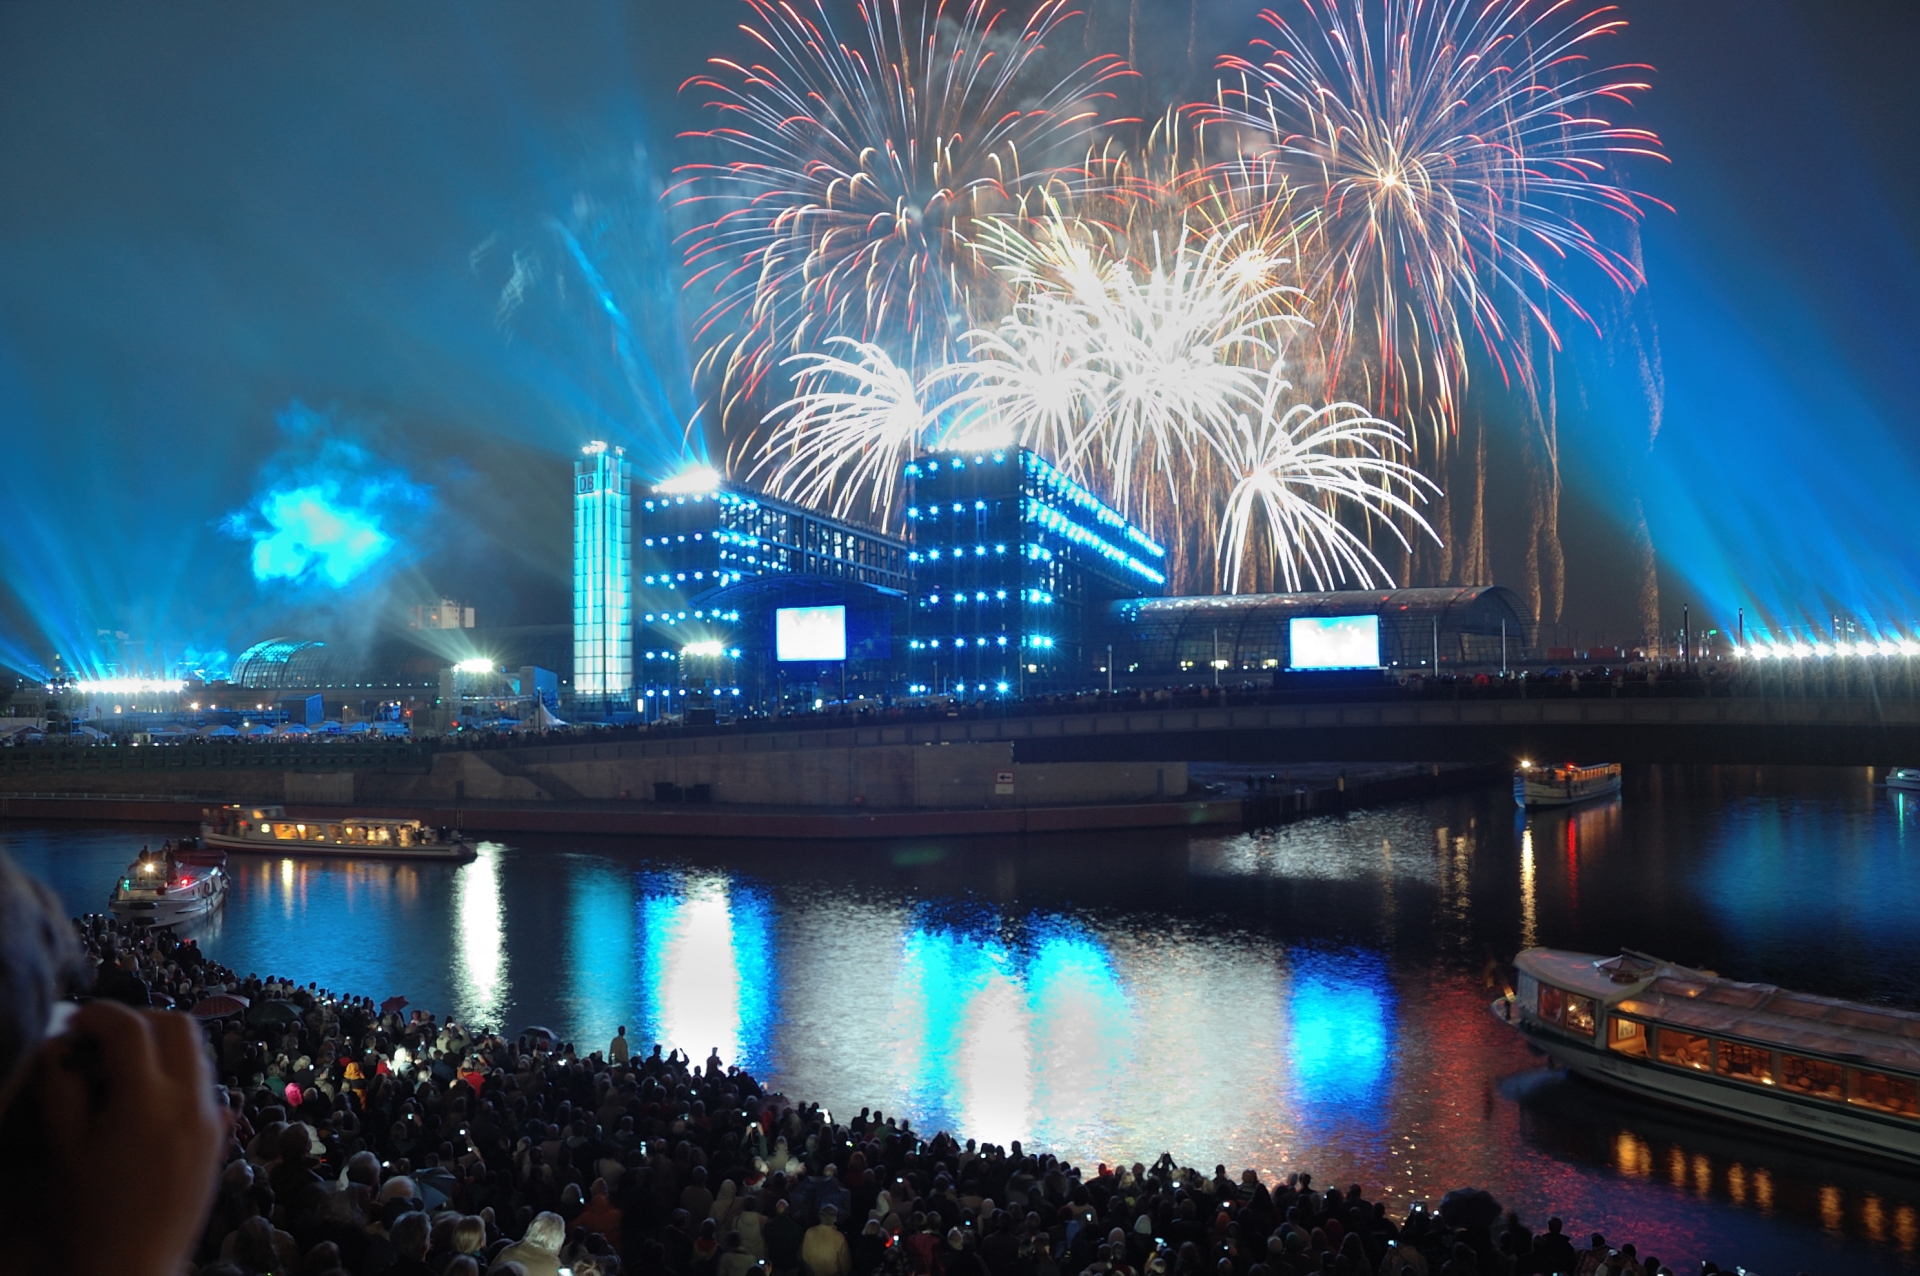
[338, 249]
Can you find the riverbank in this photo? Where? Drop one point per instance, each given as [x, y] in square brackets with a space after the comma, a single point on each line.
[1220, 796]
[374, 1115]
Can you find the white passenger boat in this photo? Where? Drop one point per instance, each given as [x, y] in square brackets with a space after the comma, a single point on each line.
[1904, 777]
[170, 886]
[1564, 785]
[1837, 1071]
[269, 830]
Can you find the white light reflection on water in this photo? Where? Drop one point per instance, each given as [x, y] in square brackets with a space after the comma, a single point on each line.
[1529, 904]
[481, 989]
[705, 963]
[993, 1068]
[1083, 1034]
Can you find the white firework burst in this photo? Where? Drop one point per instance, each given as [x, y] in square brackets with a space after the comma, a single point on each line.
[850, 427]
[1295, 469]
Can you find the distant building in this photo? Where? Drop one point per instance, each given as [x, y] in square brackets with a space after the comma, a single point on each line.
[1181, 639]
[445, 614]
[1010, 560]
[602, 579]
[717, 562]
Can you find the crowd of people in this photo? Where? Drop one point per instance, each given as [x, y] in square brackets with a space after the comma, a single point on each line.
[379, 1140]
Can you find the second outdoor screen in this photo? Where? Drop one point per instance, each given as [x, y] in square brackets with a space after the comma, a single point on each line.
[810, 633]
[1333, 642]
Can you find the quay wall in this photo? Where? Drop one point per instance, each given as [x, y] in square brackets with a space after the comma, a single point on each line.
[881, 777]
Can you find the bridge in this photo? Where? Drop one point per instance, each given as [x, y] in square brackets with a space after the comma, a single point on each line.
[1732, 730]
[1472, 726]
[1437, 724]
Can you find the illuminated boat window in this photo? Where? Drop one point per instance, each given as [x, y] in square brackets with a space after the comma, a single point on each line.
[1579, 1015]
[1815, 1078]
[1684, 1050]
[1553, 1004]
[1744, 1063]
[1882, 1093]
[1627, 1037]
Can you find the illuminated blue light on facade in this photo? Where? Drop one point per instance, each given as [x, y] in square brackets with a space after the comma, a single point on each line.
[602, 576]
[1054, 521]
[979, 603]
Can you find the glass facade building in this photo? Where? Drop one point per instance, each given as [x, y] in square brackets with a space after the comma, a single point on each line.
[714, 565]
[1010, 560]
[602, 578]
[1181, 639]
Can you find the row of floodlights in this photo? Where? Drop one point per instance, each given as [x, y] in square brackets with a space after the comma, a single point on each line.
[127, 686]
[1826, 650]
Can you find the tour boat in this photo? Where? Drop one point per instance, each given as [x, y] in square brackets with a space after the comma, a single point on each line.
[1904, 777]
[268, 830]
[170, 886]
[1837, 1071]
[1564, 785]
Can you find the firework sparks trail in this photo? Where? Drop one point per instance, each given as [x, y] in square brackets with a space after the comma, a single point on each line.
[1125, 366]
[848, 430]
[852, 171]
[1295, 469]
[1451, 147]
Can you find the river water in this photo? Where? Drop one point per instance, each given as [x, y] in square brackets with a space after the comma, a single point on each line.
[1312, 997]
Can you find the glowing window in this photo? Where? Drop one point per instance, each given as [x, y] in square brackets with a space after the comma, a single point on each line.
[1744, 1063]
[1553, 1004]
[1882, 1093]
[1580, 1015]
[1628, 1038]
[1813, 1077]
[1684, 1050]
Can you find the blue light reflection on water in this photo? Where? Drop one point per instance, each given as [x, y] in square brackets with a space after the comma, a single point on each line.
[1307, 998]
[1341, 1031]
[1780, 871]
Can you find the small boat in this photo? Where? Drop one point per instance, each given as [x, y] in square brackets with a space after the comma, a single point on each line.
[1841, 1072]
[1564, 785]
[269, 830]
[170, 886]
[1904, 777]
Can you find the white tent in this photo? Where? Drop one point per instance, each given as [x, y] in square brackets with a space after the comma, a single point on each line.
[541, 719]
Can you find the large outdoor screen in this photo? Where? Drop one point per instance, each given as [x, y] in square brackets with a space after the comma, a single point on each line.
[1333, 642]
[810, 633]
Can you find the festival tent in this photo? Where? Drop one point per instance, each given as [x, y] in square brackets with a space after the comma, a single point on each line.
[295, 728]
[221, 733]
[260, 732]
[359, 728]
[541, 719]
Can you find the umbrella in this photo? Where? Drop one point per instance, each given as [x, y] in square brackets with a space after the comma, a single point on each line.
[536, 1030]
[275, 1011]
[219, 1006]
[436, 1186]
[1469, 1207]
[391, 1004]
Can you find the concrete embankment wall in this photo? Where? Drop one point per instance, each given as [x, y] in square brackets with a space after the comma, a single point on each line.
[878, 777]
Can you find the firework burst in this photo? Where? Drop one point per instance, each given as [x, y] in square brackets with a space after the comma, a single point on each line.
[852, 171]
[1123, 364]
[1451, 148]
[849, 429]
[1293, 471]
